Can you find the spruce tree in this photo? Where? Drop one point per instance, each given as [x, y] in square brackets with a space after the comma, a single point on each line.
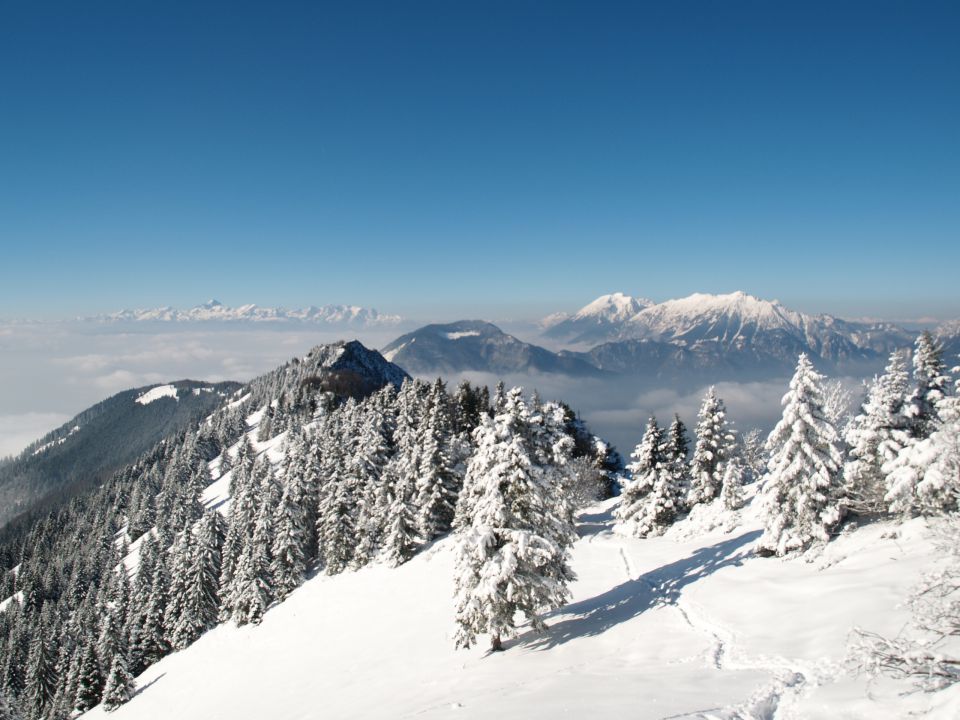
[732, 492]
[202, 602]
[648, 459]
[513, 556]
[90, 679]
[179, 559]
[41, 675]
[931, 384]
[438, 483]
[119, 685]
[801, 489]
[654, 497]
[292, 531]
[715, 443]
[874, 437]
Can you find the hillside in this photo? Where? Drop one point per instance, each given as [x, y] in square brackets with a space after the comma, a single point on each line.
[659, 628]
[474, 345]
[112, 433]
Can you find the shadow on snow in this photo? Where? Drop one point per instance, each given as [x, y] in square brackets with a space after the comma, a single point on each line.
[624, 602]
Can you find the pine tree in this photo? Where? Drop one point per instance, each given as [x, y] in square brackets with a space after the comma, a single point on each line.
[41, 675]
[513, 556]
[875, 436]
[252, 590]
[657, 484]
[89, 680]
[153, 634]
[732, 492]
[180, 558]
[800, 491]
[119, 685]
[438, 483]
[336, 513]
[202, 601]
[930, 386]
[648, 457]
[292, 534]
[715, 443]
[924, 477]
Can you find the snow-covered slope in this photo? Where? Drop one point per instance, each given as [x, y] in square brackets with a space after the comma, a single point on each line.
[595, 322]
[215, 311]
[671, 627]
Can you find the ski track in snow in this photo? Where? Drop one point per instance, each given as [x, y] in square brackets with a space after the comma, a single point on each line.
[792, 679]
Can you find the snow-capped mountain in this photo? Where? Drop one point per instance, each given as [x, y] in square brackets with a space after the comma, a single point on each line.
[475, 345]
[731, 332]
[215, 311]
[596, 321]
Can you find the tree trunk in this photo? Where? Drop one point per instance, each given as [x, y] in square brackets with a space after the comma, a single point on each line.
[495, 644]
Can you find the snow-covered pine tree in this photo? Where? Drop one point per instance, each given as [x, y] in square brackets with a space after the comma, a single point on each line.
[800, 496]
[677, 450]
[179, 569]
[513, 556]
[147, 568]
[875, 436]
[90, 679]
[374, 439]
[438, 483]
[293, 530]
[41, 672]
[924, 477]
[252, 590]
[930, 386]
[732, 492]
[336, 515]
[648, 456]
[662, 484]
[244, 485]
[119, 685]
[401, 536]
[715, 443]
[202, 602]
[153, 635]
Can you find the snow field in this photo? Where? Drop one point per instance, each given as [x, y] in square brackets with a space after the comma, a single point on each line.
[657, 628]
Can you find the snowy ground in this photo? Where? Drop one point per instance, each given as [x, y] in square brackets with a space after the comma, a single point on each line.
[673, 627]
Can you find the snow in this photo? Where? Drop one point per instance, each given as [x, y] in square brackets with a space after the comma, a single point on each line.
[674, 318]
[614, 307]
[156, 393]
[58, 441]
[689, 625]
[463, 334]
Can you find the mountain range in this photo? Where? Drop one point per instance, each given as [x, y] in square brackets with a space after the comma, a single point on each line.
[215, 311]
[734, 336]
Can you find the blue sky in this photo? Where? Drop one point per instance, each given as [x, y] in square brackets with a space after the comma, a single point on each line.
[496, 159]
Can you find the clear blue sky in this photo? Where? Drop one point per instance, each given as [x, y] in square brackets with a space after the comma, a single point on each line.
[478, 158]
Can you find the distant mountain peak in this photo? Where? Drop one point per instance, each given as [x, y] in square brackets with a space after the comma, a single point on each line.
[215, 311]
[595, 321]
